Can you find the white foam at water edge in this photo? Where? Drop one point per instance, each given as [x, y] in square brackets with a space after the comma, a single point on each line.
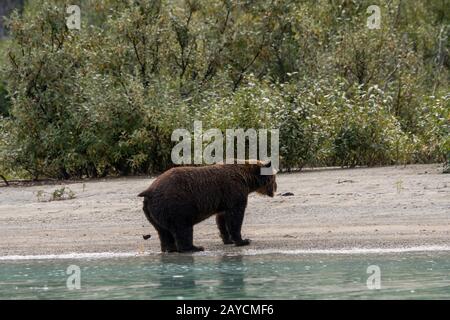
[245, 252]
[74, 255]
[349, 250]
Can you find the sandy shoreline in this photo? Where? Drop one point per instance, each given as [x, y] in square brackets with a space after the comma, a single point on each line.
[388, 207]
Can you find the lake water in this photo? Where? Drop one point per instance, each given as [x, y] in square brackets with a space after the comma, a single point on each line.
[407, 275]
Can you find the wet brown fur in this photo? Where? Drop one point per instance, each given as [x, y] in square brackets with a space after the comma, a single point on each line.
[184, 196]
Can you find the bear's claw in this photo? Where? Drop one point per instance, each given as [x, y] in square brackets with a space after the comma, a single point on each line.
[241, 243]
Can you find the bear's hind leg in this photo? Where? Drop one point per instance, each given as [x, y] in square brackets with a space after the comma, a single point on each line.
[165, 237]
[167, 241]
[221, 224]
[184, 236]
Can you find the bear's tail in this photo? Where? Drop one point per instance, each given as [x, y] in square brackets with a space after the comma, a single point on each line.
[146, 193]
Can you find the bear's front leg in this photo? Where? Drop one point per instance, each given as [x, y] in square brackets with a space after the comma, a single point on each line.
[221, 224]
[234, 219]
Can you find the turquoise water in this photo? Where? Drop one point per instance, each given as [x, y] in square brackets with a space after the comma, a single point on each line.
[267, 276]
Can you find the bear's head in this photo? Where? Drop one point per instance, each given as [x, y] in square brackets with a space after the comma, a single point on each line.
[267, 183]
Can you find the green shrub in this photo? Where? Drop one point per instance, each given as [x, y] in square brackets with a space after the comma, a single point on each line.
[104, 100]
[366, 133]
[302, 129]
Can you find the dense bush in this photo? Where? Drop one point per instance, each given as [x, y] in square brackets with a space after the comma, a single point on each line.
[105, 99]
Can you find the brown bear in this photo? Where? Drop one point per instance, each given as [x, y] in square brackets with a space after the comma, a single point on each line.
[184, 196]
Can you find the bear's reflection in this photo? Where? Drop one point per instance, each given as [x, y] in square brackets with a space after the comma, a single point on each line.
[232, 274]
[188, 276]
[176, 274]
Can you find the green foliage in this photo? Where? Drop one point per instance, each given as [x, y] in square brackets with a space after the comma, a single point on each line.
[5, 103]
[368, 134]
[302, 127]
[104, 100]
[63, 193]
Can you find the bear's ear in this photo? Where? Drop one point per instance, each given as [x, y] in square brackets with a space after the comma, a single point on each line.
[268, 164]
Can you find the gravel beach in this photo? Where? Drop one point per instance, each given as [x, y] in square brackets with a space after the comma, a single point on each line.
[331, 208]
